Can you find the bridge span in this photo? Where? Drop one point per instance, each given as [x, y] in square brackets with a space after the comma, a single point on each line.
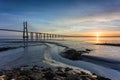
[30, 35]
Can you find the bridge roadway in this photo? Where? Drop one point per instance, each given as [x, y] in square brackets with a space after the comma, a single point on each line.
[37, 35]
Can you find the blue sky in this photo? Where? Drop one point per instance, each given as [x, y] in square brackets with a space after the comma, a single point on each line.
[62, 16]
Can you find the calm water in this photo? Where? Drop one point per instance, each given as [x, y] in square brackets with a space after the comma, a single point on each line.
[105, 60]
[110, 52]
[96, 39]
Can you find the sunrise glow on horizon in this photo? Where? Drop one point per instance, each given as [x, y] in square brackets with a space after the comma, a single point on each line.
[69, 17]
[97, 37]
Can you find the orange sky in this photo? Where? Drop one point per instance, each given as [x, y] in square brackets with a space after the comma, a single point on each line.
[73, 17]
[107, 33]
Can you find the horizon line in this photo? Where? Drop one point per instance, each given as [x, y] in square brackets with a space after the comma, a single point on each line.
[93, 36]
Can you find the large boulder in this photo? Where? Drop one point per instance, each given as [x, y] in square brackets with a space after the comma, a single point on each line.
[74, 54]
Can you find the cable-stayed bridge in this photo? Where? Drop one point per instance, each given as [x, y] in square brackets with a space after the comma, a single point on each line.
[34, 36]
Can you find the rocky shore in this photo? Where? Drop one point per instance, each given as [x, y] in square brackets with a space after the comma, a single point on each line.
[73, 54]
[41, 73]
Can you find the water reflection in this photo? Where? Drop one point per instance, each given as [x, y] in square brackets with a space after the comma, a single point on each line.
[97, 39]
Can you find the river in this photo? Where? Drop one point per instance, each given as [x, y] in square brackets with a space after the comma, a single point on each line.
[103, 60]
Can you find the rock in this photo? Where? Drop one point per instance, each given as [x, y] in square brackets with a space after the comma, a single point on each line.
[94, 76]
[3, 77]
[25, 66]
[58, 78]
[35, 68]
[74, 54]
[41, 67]
[1, 73]
[23, 78]
[61, 74]
[83, 73]
[27, 73]
[49, 75]
[46, 69]
[36, 76]
[73, 77]
[68, 69]
[60, 69]
[43, 79]
[88, 49]
[102, 78]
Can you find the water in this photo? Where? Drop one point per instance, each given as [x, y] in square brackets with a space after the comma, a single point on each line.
[110, 52]
[103, 60]
[107, 56]
[96, 39]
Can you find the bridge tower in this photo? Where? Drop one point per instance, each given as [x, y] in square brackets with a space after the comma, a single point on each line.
[25, 33]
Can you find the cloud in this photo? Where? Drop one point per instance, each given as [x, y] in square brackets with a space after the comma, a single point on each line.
[99, 22]
[63, 16]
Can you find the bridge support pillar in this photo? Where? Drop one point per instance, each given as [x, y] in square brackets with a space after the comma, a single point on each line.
[50, 36]
[36, 36]
[25, 34]
[44, 36]
[31, 36]
[40, 36]
[54, 36]
[47, 36]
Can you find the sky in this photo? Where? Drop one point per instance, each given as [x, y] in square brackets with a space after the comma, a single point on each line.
[72, 17]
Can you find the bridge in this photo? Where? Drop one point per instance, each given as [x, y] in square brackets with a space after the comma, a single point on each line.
[29, 35]
[38, 35]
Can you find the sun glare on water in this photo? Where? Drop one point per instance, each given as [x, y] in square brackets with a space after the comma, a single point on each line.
[97, 37]
[97, 34]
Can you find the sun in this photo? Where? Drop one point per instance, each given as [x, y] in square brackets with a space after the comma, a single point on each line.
[97, 34]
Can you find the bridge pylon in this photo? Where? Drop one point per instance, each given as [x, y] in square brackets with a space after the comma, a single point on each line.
[25, 32]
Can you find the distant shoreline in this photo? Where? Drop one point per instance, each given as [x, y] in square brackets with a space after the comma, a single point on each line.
[109, 44]
[95, 36]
